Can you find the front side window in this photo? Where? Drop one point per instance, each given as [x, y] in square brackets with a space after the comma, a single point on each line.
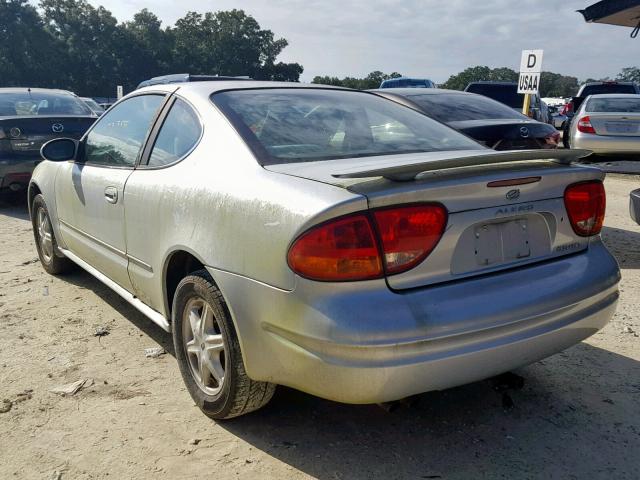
[303, 125]
[118, 136]
[178, 135]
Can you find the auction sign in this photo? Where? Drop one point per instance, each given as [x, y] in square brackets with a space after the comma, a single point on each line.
[530, 68]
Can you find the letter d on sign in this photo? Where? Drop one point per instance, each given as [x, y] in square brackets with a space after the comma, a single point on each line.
[531, 61]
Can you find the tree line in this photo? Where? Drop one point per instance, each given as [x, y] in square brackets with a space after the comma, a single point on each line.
[72, 45]
[551, 84]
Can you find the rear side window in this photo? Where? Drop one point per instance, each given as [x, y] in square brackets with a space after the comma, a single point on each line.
[456, 107]
[179, 134]
[288, 125]
[118, 136]
[627, 105]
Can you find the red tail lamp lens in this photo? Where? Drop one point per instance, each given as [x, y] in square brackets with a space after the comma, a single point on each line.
[585, 204]
[409, 234]
[584, 125]
[340, 250]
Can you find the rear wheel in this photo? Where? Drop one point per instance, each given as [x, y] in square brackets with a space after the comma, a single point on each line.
[46, 243]
[208, 351]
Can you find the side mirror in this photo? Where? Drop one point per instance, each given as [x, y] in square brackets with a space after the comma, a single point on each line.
[59, 149]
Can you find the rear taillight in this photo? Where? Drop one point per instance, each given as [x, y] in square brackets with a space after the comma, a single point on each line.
[584, 125]
[409, 234]
[585, 204]
[567, 109]
[364, 247]
[552, 140]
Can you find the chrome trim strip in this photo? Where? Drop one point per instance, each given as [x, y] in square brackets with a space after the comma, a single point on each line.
[140, 263]
[154, 316]
[94, 239]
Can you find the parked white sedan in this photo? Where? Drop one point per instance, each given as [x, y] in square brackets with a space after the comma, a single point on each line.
[607, 124]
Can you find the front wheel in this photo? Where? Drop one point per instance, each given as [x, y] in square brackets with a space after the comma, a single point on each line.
[208, 351]
[45, 239]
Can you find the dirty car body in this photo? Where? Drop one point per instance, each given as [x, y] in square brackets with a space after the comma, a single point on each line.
[364, 251]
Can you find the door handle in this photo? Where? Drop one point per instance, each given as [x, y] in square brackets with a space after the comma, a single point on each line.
[111, 194]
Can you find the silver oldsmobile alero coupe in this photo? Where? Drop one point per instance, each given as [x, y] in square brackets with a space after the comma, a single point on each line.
[325, 239]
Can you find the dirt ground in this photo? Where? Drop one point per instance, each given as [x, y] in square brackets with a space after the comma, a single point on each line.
[578, 415]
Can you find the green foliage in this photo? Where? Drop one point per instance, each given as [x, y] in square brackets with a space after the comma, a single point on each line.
[557, 85]
[71, 44]
[372, 80]
[480, 73]
[629, 74]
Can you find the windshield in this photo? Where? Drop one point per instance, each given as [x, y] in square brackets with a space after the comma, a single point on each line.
[407, 83]
[456, 107]
[93, 105]
[607, 88]
[629, 105]
[38, 103]
[507, 94]
[303, 125]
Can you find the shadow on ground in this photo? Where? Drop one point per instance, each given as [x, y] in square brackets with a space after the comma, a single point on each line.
[624, 245]
[15, 206]
[575, 418]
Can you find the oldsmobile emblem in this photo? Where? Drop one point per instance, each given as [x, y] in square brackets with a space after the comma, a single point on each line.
[524, 132]
[57, 127]
[513, 194]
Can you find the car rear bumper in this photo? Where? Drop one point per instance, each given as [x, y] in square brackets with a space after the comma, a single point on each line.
[362, 343]
[15, 174]
[606, 144]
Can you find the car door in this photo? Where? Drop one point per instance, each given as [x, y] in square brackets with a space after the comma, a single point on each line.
[90, 190]
[149, 222]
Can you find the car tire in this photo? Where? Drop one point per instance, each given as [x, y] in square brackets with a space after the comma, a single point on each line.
[208, 351]
[46, 243]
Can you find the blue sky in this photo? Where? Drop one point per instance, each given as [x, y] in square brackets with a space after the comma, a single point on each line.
[424, 38]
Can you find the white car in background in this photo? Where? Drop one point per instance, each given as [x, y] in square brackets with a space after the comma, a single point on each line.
[607, 124]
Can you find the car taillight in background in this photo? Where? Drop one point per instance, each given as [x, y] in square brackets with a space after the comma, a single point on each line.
[585, 203]
[567, 109]
[584, 125]
[364, 247]
[552, 140]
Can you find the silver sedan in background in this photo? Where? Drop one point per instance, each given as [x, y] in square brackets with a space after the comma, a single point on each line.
[607, 124]
[326, 239]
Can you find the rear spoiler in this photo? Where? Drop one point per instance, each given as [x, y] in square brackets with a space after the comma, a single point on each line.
[393, 169]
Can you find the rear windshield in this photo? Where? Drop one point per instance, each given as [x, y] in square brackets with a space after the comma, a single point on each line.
[629, 105]
[607, 88]
[456, 107]
[38, 103]
[407, 83]
[302, 125]
[507, 94]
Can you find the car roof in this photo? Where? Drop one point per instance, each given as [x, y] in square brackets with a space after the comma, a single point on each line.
[615, 95]
[491, 82]
[420, 91]
[35, 90]
[609, 82]
[207, 88]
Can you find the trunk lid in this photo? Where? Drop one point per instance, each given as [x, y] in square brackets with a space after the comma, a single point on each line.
[501, 215]
[22, 136]
[616, 124]
[510, 134]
